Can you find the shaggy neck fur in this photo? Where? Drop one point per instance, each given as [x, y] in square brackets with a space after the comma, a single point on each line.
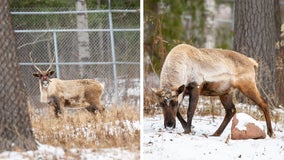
[174, 72]
[45, 92]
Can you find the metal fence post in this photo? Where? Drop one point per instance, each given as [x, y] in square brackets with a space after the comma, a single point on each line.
[38, 38]
[56, 54]
[116, 101]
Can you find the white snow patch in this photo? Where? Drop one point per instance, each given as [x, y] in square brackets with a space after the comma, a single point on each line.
[50, 152]
[159, 143]
[244, 119]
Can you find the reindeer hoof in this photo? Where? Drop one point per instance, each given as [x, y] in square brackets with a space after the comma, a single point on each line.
[215, 135]
[271, 135]
[187, 131]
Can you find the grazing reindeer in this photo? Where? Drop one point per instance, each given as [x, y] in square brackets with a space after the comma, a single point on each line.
[83, 93]
[209, 72]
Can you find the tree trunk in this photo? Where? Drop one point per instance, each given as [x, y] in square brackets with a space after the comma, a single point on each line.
[255, 35]
[280, 57]
[280, 69]
[211, 27]
[83, 37]
[15, 127]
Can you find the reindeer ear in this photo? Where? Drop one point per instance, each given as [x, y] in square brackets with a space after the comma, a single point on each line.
[51, 72]
[180, 89]
[36, 74]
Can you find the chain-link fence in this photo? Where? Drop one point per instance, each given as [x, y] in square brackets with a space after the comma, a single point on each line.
[95, 44]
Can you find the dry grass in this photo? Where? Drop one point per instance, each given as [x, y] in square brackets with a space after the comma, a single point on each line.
[117, 127]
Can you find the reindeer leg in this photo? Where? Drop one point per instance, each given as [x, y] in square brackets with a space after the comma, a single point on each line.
[56, 104]
[91, 109]
[194, 92]
[179, 116]
[254, 95]
[229, 106]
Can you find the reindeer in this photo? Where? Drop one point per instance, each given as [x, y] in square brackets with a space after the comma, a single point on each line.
[189, 71]
[82, 93]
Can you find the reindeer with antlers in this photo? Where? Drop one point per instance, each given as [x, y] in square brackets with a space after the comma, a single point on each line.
[81, 93]
[191, 71]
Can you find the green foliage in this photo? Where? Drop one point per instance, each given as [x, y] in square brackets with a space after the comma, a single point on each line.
[91, 4]
[225, 37]
[197, 11]
[69, 21]
[224, 31]
[165, 28]
[40, 3]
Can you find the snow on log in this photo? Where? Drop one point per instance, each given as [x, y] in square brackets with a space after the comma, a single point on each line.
[246, 127]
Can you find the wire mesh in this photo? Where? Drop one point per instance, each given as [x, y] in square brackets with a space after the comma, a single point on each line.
[56, 34]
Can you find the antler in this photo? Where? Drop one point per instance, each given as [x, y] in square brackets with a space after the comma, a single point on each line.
[50, 64]
[34, 62]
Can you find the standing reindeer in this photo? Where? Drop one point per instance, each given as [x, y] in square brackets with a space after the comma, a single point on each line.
[210, 72]
[83, 93]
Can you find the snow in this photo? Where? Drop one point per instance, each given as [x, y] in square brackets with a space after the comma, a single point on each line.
[167, 144]
[244, 119]
[173, 144]
[49, 152]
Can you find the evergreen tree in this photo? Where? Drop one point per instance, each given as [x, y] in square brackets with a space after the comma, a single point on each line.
[15, 127]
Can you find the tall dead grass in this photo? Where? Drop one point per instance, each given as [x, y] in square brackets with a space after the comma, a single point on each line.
[117, 127]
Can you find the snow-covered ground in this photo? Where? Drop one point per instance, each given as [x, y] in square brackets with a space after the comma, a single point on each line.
[168, 144]
[49, 152]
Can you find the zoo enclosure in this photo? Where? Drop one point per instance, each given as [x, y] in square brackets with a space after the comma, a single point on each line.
[94, 44]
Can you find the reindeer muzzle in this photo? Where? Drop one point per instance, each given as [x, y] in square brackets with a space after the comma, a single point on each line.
[45, 83]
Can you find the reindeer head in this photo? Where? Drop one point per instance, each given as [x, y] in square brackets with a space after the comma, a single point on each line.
[168, 100]
[44, 76]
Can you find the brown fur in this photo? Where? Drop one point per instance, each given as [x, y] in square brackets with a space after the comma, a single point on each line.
[85, 93]
[209, 72]
[82, 93]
